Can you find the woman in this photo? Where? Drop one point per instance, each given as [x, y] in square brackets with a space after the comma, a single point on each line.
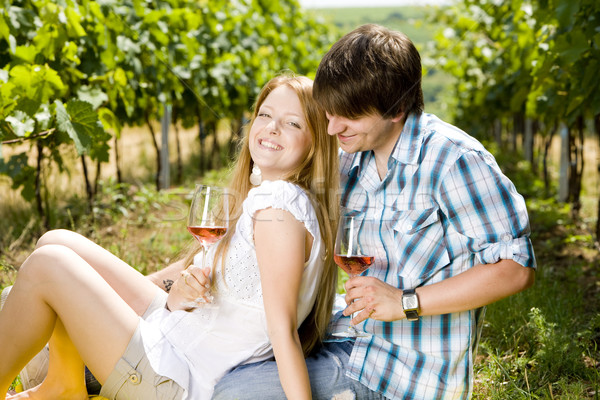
[274, 267]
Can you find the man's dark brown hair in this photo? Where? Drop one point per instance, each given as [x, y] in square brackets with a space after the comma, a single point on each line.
[371, 69]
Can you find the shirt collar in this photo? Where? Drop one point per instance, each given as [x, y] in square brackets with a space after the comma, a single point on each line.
[409, 144]
[407, 148]
[357, 161]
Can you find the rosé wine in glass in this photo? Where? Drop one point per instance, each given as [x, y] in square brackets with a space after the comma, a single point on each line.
[208, 220]
[348, 255]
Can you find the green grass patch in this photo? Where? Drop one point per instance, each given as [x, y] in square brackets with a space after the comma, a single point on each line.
[539, 344]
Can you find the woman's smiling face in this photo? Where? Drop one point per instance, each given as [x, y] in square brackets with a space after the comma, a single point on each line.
[280, 138]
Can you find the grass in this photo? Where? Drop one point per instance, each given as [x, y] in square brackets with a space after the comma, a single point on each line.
[539, 344]
[543, 343]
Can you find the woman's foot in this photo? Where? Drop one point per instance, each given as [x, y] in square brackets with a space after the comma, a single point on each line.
[46, 393]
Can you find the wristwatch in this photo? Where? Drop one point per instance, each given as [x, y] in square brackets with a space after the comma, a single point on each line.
[410, 304]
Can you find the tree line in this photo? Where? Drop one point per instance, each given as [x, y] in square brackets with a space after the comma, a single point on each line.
[526, 69]
[77, 72]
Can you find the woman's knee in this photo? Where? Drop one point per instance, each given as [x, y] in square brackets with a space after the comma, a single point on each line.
[62, 237]
[43, 260]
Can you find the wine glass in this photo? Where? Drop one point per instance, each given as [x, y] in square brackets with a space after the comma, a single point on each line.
[349, 256]
[208, 220]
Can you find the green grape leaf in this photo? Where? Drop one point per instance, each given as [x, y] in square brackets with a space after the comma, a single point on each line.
[28, 106]
[566, 12]
[79, 121]
[74, 24]
[4, 29]
[93, 95]
[26, 53]
[21, 123]
[572, 45]
[21, 174]
[36, 81]
[109, 120]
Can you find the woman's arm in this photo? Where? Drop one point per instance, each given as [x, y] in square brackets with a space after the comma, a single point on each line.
[280, 242]
[166, 277]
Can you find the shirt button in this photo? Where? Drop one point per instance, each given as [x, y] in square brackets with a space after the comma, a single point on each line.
[506, 237]
[408, 227]
[134, 378]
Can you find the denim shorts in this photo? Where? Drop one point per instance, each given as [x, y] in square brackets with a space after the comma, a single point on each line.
[326, 370]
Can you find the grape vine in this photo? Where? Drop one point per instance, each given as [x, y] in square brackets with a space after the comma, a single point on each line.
[74, 73]
[524, 67]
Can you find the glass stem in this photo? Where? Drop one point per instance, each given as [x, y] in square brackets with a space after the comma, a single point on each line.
[351, 326]
[203, 256]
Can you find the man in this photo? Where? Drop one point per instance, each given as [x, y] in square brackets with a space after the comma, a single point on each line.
[452, 235]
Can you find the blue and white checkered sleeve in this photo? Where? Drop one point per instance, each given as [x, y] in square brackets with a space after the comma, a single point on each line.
[482, 204]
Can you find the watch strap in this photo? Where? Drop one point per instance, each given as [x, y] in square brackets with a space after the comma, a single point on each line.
[413, 313]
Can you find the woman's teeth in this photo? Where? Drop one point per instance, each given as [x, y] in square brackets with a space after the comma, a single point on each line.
[270, 145]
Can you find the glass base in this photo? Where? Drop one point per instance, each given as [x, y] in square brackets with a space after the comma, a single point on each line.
[199, 302]
[351, 332]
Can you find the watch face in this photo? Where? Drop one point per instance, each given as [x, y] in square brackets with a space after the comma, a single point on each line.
[410, 302]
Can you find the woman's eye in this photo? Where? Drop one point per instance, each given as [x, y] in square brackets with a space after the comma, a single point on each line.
[264, 115]
[295, 125]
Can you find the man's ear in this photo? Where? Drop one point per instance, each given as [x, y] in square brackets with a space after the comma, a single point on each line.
[399, 117]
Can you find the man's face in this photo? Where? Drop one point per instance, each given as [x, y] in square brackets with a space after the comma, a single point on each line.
[368, 132]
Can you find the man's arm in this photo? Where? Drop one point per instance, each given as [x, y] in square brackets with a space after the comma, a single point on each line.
[476, 287]
[475, 209]
[165, 278]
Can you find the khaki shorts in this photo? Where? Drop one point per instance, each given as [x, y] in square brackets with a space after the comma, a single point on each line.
[133, 377]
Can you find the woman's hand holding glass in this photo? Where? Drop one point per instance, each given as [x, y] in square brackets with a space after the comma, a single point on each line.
[208, 221]
[191, 289]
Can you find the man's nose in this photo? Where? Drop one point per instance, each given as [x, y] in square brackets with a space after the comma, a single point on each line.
[335, 125]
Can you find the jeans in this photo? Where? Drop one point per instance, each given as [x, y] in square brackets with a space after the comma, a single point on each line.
[326, 370]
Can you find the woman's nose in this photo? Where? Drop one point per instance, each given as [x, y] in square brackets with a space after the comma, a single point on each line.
[274, 127]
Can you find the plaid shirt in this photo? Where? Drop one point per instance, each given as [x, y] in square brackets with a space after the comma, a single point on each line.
[443, 207]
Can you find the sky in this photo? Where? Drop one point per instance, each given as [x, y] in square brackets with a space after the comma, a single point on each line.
[367, 3]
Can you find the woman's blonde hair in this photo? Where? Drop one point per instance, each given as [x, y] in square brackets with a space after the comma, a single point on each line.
[318, 175]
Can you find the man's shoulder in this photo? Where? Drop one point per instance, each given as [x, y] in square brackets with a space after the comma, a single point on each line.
[450, 138]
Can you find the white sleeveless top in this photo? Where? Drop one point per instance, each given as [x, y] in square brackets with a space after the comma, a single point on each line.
[197, 348]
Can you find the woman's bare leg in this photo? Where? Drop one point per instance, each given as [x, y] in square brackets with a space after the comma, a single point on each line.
[130, 284]
[56, 283]
[65, 366]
